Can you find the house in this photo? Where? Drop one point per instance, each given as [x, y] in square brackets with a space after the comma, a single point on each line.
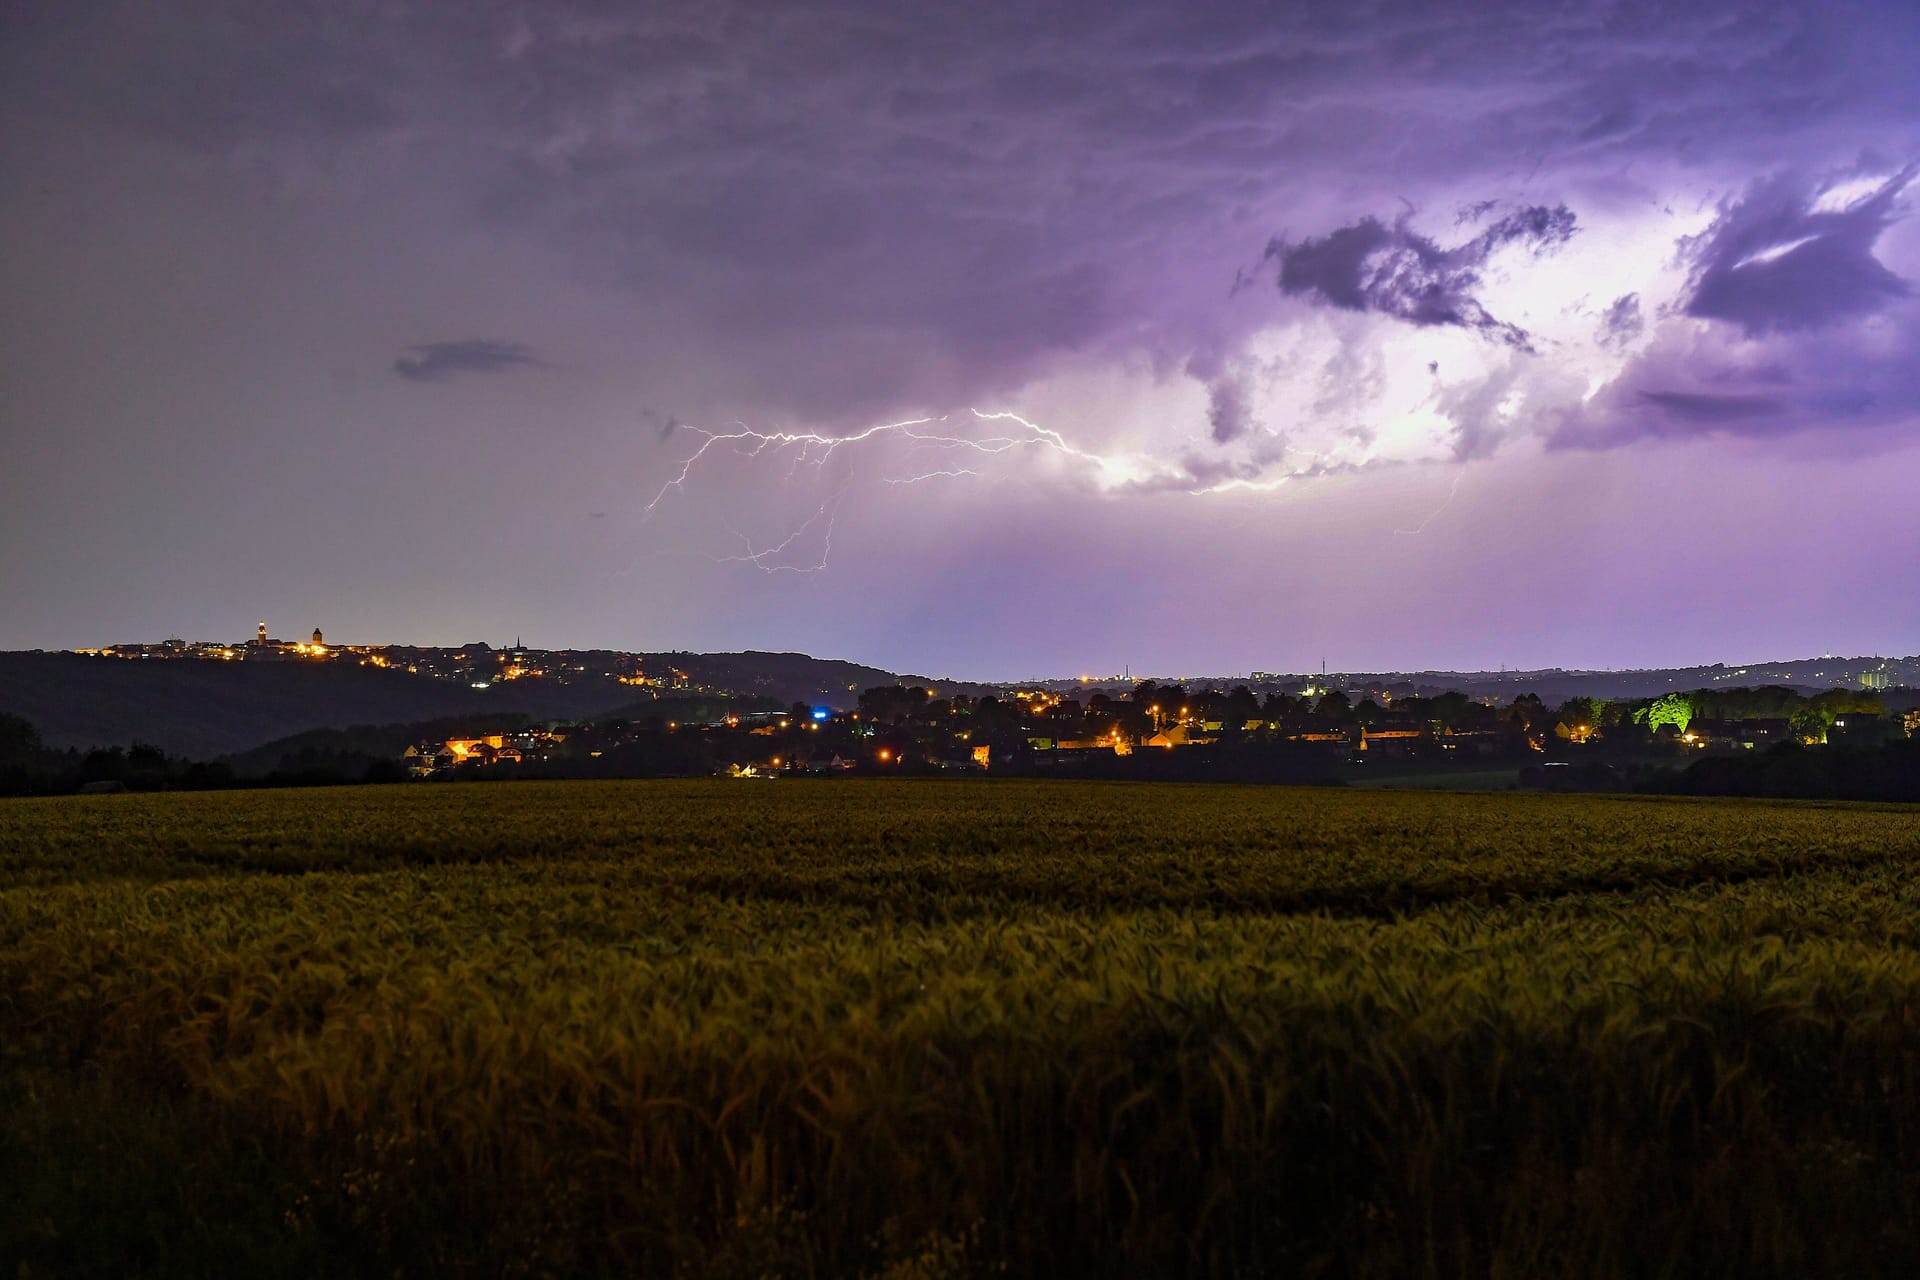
[1863, 729]
[1741, 734]
[424, 758]
[1392, 736]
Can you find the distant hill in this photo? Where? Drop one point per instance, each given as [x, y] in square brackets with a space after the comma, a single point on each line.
[796, 677]
[353, 747]
[205, 709]
[1555, 685]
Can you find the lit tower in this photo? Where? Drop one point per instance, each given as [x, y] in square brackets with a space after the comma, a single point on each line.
[316, 638]
[262, 636]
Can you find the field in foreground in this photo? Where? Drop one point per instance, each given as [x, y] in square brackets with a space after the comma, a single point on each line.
[734, 1028]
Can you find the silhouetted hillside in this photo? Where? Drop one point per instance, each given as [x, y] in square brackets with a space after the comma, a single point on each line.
[208, 709]
[795, 677]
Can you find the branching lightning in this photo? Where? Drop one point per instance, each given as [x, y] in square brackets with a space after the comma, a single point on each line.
[812, 448]
[764, 560]
[1111, 471]
[983, 435]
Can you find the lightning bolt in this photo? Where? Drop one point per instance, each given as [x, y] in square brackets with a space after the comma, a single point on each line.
[829, 510]
[1452, 490]
[982, 434]
[1112, 471]
[761, 441]
[931, 475]
[1241, 484]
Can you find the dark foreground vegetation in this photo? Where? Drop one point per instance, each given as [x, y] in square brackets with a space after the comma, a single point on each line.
[1890, 771]
[864, 1028]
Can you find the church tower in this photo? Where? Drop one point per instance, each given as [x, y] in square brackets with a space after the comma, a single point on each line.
[316, 636]
[261, 639]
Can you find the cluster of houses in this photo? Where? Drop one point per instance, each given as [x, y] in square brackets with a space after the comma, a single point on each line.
[424, 758]
[1389, 738]
[1044, 734]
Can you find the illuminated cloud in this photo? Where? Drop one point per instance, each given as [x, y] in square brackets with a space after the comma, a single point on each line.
[1789, 255]
[1393, 270]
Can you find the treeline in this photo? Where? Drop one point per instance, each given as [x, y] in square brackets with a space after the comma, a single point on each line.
[637, 742]
[30, 768]
[1890, 771]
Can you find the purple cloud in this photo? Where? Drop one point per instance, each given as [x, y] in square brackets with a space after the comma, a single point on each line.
[1622, 322]
[438, 361]
[1777, 260]
[1229, 414]
[1395, 271]
[1716, 409]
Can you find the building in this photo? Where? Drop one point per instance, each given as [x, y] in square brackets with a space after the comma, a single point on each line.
[1864, 729]
[424, 758]
[264, 648]
[1397, 737]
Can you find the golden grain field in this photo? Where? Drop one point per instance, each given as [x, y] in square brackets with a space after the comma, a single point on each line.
[954, 1028]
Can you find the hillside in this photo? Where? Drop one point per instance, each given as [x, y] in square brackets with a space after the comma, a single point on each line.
[208, 709]
[796, 677]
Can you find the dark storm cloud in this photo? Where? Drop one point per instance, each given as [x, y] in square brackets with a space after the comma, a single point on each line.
[1689, 384]
[848, 208]
[438, 361]
[1396, 271]
[1714, 409]
[1622, 322]
[1773, 261]
[1788, 273]
[1229, 415]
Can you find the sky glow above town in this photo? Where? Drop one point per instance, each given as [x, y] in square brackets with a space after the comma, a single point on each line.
[974, 341]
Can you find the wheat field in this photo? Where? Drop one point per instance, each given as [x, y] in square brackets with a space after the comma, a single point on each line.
[726, 1028]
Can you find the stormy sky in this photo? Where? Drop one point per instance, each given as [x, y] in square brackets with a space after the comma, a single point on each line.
[972, 340]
